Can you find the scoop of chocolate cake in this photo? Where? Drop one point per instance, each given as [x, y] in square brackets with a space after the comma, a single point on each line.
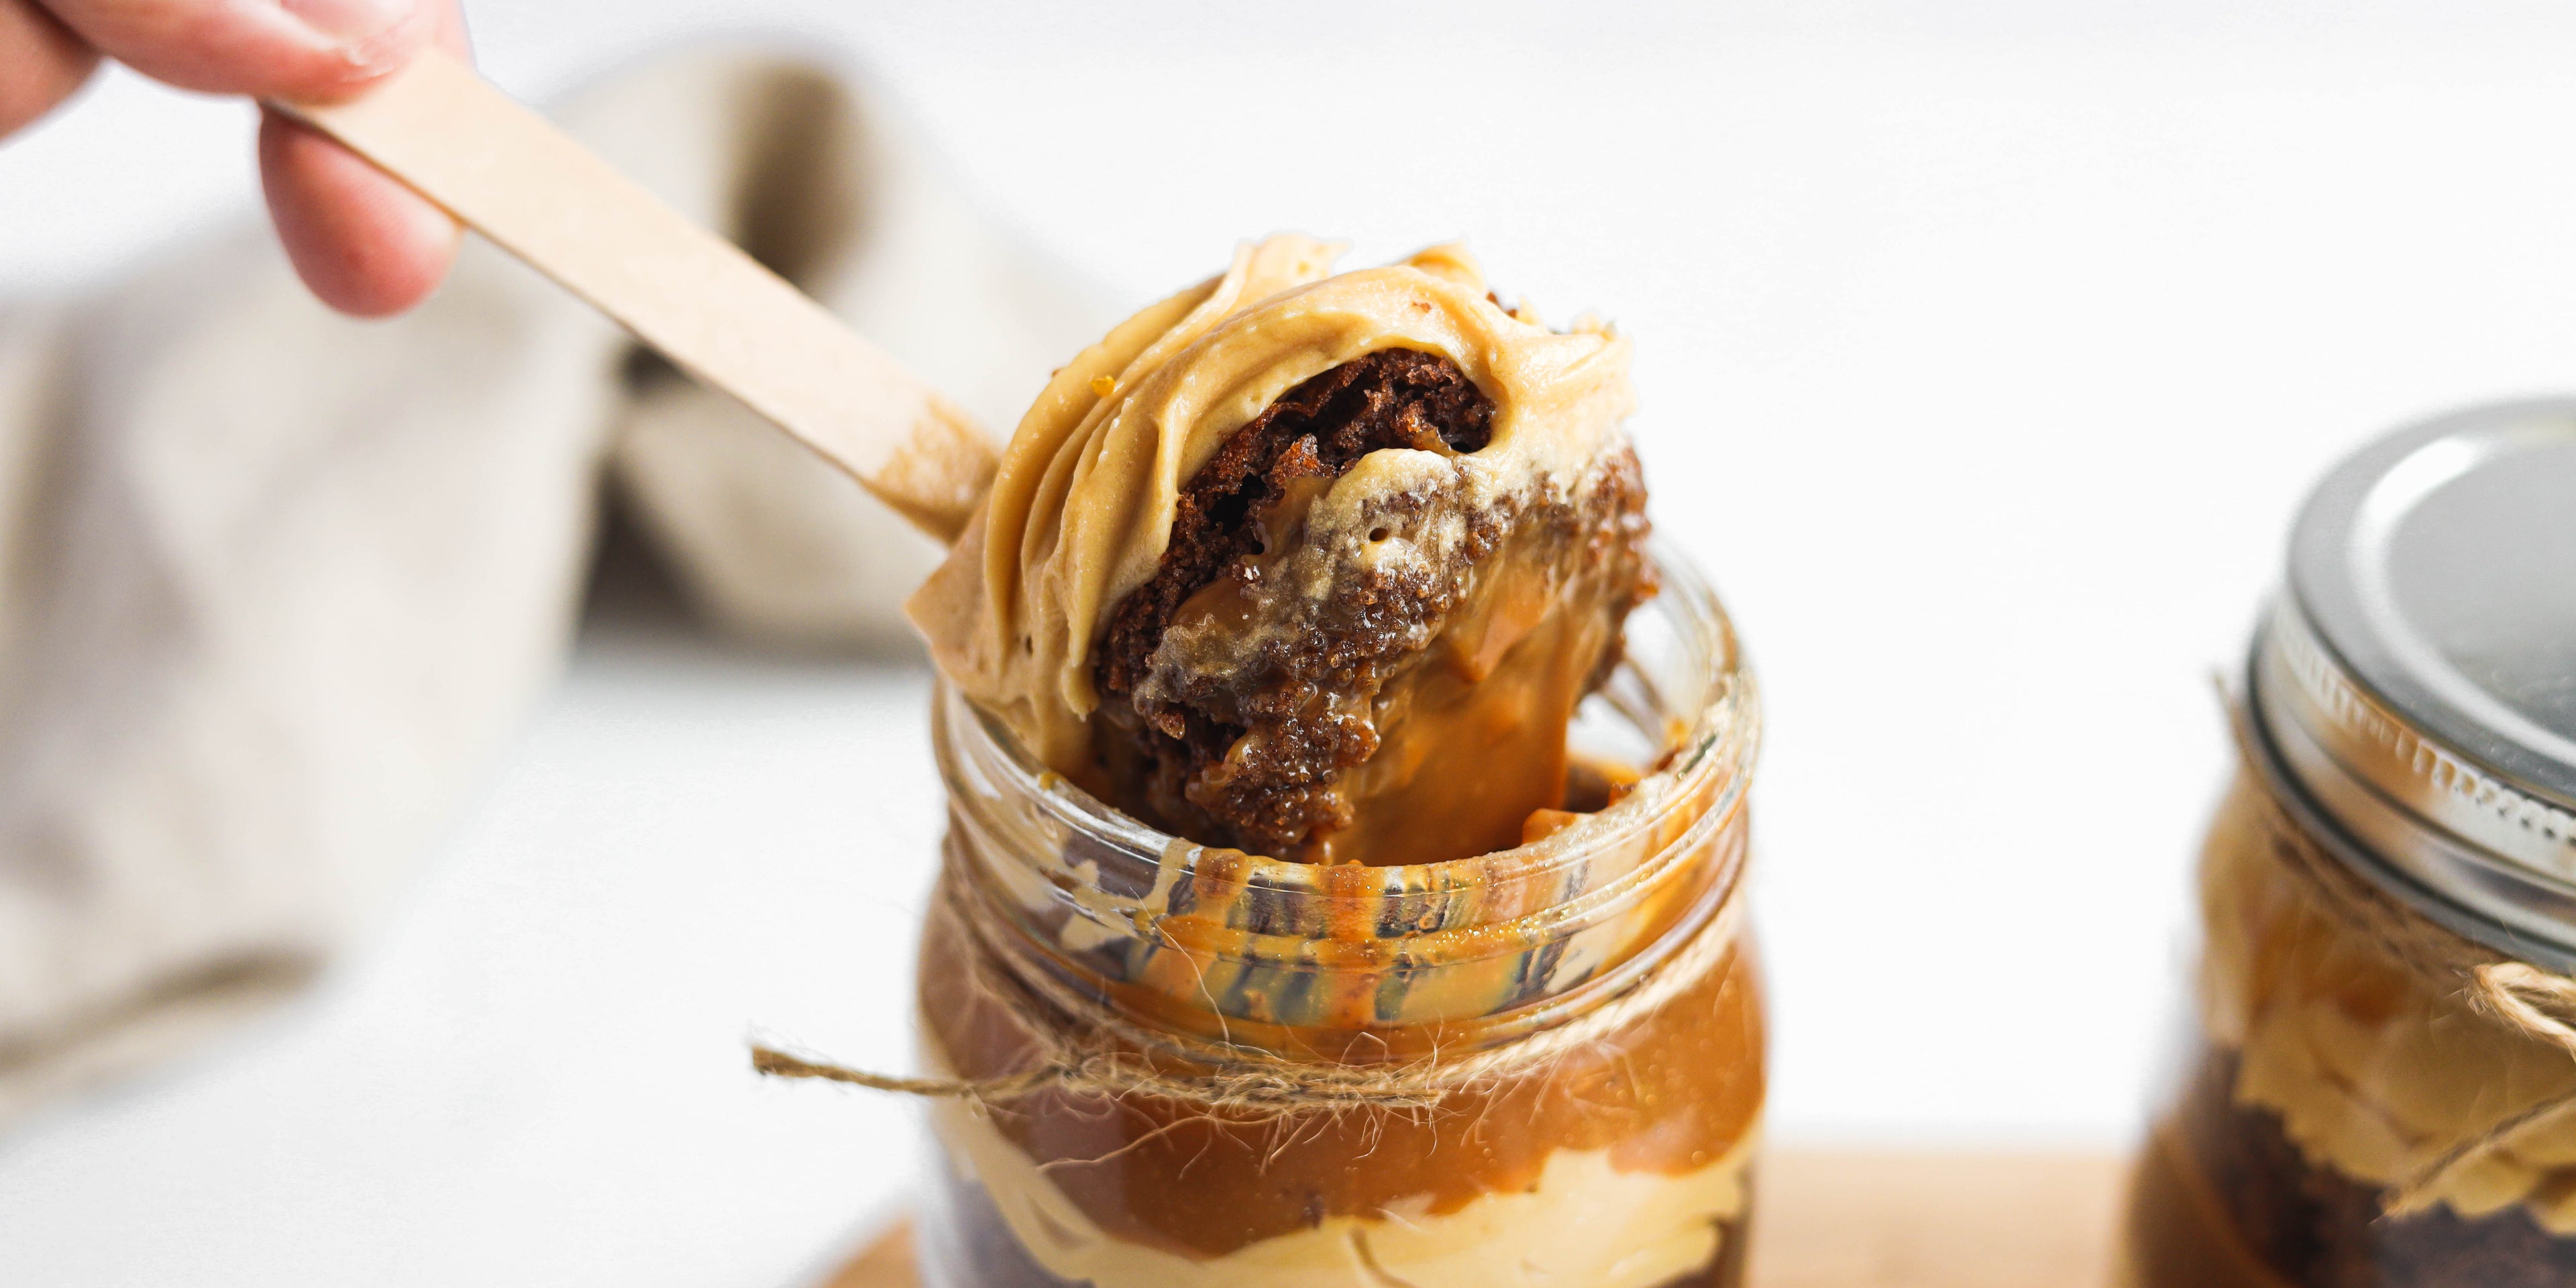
[1311, 565]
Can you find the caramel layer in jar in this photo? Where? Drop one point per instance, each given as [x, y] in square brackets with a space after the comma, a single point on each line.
[1672, 1093]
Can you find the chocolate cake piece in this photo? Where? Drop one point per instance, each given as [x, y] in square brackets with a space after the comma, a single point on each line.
[1173, 737]
[1230, 510]
[1318, 430]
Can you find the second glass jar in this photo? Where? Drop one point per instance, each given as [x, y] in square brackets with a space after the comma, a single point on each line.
[2383, 1089]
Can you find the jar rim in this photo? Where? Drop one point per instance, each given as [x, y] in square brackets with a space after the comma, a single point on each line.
[1722, 738]
[1257, 943]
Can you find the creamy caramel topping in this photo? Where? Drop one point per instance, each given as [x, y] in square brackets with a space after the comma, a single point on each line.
[2372, 1072]
[1082, 509]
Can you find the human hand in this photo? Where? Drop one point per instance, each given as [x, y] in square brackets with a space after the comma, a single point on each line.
[363, 243]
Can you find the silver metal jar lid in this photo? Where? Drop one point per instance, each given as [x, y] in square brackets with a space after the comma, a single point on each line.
[2414, 688]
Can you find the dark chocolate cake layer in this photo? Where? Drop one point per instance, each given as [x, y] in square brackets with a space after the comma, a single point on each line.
[2320, 1229]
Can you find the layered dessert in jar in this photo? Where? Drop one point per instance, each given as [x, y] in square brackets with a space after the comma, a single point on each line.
[1347, 815]
[2330, 1075]
[2382, 1090]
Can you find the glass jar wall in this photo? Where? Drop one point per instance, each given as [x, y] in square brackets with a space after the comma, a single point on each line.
[1198, 1067]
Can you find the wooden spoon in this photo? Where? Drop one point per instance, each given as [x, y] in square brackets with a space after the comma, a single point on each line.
[714, 311]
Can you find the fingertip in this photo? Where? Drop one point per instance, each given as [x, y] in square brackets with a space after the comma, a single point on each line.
[311, 50]
[363, 243]
[364, 40]
[447, 29]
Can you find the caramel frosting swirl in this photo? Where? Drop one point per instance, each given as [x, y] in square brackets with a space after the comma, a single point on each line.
[1081, 511]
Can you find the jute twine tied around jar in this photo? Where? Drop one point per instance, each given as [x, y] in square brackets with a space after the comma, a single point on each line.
[1086, 1045]
[2523, 998]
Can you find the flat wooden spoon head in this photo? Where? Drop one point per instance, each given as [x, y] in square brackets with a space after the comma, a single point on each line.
[712, 310]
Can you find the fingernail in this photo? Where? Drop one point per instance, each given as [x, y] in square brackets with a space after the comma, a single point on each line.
[351, 21]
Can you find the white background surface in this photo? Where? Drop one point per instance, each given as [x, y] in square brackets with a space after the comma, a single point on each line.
[1984, 358]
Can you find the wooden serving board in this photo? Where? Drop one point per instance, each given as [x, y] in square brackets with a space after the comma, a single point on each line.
[1869, 1220]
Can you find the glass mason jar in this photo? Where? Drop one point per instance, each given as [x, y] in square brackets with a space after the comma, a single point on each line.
[1198, 1067]
[2384, 1088]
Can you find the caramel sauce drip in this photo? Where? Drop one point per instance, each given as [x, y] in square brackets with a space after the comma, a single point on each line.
[1471, 740]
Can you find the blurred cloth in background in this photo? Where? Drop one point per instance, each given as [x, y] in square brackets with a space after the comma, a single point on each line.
[274, 584]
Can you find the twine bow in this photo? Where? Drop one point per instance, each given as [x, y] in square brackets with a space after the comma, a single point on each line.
[2534, 1003]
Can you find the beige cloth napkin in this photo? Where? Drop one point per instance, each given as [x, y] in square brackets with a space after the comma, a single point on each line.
[274, 585]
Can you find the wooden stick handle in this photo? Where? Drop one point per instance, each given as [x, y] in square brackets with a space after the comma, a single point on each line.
[508, 173]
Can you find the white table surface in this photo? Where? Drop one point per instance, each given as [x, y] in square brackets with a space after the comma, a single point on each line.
[1984, 358]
